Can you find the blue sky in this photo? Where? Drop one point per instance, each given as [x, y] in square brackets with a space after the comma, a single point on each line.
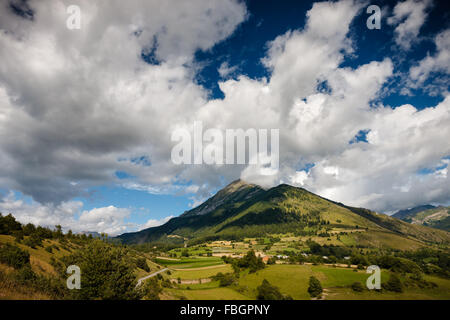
[106, 145]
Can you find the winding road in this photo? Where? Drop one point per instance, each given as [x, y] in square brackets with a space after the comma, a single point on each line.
[149, 276]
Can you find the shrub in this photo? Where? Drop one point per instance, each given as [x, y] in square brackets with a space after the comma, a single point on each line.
[152, 289]
[185, 253]
[166, 283]
[18, 235]
[14, 256]
[225, 280]
[33, 241]
[142, 263]
[357, 286]
[393, 284]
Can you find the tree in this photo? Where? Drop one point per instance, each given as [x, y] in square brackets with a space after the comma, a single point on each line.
[29, 229]
[266, 291]
[152, 289]
[251, 261]
[106, 272]
[8, 224]
[315, 288]
[58, 232]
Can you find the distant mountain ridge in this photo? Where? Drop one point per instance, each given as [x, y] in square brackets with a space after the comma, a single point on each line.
[246, 210]
[427, 215]
[402, 214]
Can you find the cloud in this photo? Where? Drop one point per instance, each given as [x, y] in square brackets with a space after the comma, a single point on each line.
[82, 104]
[107, 219]
[409, 16]
[79, 100]
[438, 63]
[225, 70]
[154, 222]
[71, 216]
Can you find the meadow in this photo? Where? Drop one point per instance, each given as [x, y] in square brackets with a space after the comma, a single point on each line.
[293, 280]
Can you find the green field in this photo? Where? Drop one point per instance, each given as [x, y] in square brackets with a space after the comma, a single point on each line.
[293, 280]
[211, 294]
[188, 263]
[200, 274]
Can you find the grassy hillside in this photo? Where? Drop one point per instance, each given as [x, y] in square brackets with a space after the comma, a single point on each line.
[33, 262]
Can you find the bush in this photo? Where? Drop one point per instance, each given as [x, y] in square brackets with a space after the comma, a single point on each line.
[14, 256]
[315, 288]
[18, 235]
[266, 291]
[166, 283]
[33, 241]
[357, 286]
[26, 275]
[142, 263]
[152, 289]
[393, 284]
[185, 253]
[225, 280]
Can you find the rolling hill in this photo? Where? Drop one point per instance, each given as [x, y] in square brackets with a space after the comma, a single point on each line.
[427, 215]
[247, 210]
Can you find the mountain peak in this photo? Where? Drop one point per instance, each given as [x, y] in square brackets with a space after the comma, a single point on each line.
[237, 184]
[237, 190]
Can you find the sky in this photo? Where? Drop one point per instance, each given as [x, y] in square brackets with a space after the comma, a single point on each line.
[87, 114]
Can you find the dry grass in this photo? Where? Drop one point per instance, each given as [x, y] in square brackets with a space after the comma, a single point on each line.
[11, 290]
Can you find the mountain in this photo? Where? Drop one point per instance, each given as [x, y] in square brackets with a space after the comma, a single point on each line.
[427, 215]
[246, 210]
[402, 214]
